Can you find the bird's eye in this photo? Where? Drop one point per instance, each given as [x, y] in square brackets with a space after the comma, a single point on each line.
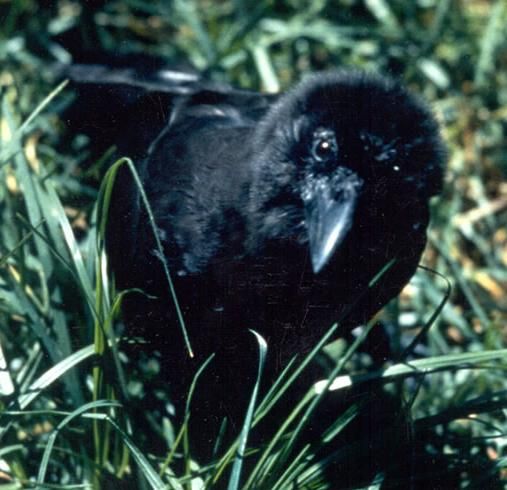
[324, 145]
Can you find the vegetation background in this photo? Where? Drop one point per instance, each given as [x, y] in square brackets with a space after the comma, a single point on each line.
[67, 392]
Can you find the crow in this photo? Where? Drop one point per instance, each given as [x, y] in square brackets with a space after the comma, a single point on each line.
[274, 212]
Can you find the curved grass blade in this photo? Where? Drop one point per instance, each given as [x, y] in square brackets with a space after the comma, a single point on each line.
[52, 438]
[147, 469]
[419, 367]
[53, 374]
[39, 209]
[49, 377]
[183, 433]
[415, 341]
[273, 396]
[302, 476]
[79, 274]
[17, 133]
[314, 398]
[238, 461]
[103, 203]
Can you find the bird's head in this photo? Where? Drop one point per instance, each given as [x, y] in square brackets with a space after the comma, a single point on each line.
[340, 144]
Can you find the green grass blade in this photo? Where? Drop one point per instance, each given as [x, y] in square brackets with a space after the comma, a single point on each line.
[234, 480]
[418, 367]
[103, 206]
[183, 433]
[146, 468]
[69, 418]
[290, 444]
[54, 373]
[38, 110]
[409, 349]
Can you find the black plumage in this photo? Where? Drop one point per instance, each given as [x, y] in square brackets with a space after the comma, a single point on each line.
[275, 212]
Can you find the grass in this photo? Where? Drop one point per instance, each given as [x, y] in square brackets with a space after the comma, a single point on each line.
[68, 391]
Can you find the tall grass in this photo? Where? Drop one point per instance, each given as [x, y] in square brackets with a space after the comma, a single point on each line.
[68, 389]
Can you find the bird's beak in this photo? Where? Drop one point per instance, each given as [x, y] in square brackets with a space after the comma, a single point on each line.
[330, 203]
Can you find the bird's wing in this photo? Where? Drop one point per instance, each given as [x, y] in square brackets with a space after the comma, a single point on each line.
[188, 139]
[130, 103]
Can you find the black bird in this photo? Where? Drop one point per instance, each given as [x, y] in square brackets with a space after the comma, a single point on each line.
[275, 212]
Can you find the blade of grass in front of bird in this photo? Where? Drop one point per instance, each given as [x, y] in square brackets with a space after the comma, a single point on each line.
[315, 400]
[106, 346]
[183, 432]
[92, 254]
[302, 476]
[273, 396]
[186, 449]
[103, 329]
[107, 312]
[219, 440]
[262, 466]
[268, 458]
[103, 325]
[300, 460]
[104, 200]
[340, 423]
[310, 409]
[469, 410]
[418, 367]
[280, 386]
[237, 466]
[113, 340]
